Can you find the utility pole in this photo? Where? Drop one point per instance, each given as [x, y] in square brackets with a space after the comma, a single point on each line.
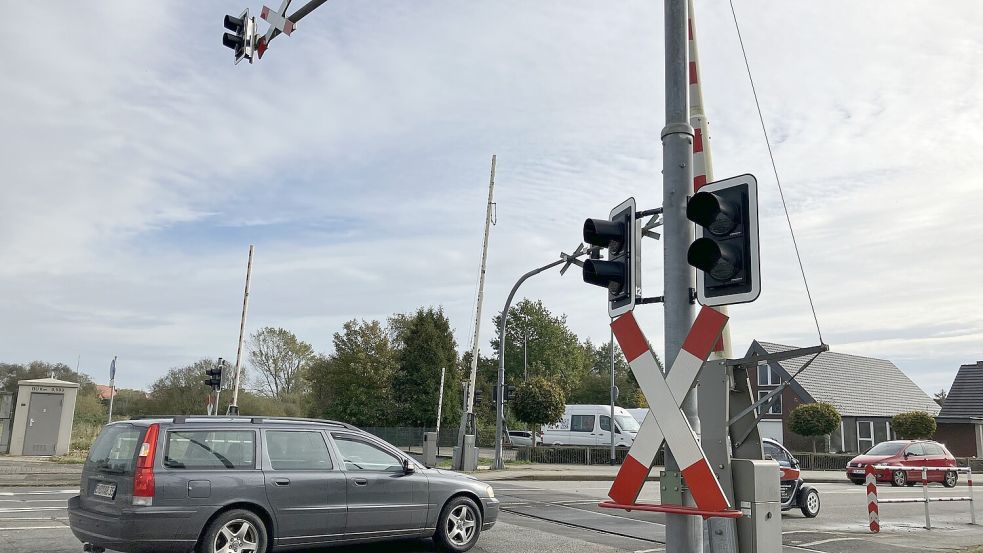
[684, 534]
[234, 405]
[112, 387]
[440, 399]
[469, 399]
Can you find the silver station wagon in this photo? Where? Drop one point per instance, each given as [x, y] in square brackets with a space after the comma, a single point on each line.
[252, 485]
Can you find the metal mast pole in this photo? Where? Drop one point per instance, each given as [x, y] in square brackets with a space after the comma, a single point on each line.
[112, 387]
[234, 406]
[440, 399]
[469, 404]
[684, 534]
[613, 386]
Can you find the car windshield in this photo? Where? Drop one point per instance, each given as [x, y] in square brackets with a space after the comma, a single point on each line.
[886, 448]
[627, 423]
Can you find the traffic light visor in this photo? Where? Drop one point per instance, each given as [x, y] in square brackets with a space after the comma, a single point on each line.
[711, 211]
[720, 262]
[235, 24]
[232, 41]
[604, 233]
[609, 274]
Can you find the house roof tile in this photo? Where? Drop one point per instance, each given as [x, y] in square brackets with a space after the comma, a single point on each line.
[965, 397]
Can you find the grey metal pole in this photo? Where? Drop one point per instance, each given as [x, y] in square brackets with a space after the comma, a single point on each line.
[613, 387]
[525, 354]
[112, 388]
[684, 534]
[500, 402]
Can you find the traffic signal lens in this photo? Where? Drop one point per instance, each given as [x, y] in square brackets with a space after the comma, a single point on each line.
[722, 264]
[604, 233]
[233, 41]
[235, 24]
[707, 210]
[609, 274]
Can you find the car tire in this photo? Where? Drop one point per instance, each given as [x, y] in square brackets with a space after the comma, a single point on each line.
[810, 504]
[459, 525]
[237, 524]
[950, 479]
[899, 479]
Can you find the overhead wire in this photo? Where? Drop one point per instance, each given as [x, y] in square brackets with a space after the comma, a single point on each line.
[774, 168]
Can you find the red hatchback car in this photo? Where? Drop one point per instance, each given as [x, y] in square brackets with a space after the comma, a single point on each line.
[905, 453]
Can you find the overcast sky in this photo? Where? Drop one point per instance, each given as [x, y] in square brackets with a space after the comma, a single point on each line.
[139, 164]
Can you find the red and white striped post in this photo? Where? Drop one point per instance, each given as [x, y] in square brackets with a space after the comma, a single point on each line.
[872, 513]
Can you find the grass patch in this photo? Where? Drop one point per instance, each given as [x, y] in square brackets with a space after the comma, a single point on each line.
[72, 458]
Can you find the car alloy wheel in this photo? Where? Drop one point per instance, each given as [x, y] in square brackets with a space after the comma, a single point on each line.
[461, 524]
[810, 504]
[237, 536]
[899, 478]
[950, 479]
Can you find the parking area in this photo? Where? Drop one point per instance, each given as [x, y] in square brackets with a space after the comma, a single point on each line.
[564, 517]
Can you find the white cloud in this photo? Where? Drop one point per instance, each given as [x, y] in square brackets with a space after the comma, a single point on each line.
[139, 163]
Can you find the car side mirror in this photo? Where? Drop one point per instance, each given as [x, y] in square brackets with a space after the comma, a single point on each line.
[906, 454]
[408, 467]
[769, 457]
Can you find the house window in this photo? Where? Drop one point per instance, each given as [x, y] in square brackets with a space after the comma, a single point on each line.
[776, 407]
[767, 376]
[865, 435]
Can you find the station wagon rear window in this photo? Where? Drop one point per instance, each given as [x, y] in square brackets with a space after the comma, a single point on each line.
[115, 450]
[210, 449]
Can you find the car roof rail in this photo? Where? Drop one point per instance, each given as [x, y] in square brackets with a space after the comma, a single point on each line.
[255, 419]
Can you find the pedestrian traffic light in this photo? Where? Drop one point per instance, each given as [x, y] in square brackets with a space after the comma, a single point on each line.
[725, 252]
[617, 273]
[214, 377]
[242, 39]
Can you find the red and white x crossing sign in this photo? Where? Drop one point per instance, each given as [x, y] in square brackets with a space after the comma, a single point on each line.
[665, 420]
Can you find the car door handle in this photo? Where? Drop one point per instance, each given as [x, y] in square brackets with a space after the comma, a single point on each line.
[281, 481]
[361, 481]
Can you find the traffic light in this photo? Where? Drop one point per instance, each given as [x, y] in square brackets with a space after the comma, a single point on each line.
[725, 252]
[214, 377]
[477, 396]
[617, 273]
[242, 39]
[509, 393]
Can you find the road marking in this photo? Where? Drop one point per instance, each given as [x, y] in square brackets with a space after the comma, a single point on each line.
[650, 550]
[27, 518]
[830, 540]
[33, 528]
[29, 509]
[34, 500]
[52, 492]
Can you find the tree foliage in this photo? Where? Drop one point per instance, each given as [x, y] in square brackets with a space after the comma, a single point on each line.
[425, 345]
[813, 420]
[539, 401]
[354, 384]
[554, 351]
[280, 361]
[181, 391]
[914, 425]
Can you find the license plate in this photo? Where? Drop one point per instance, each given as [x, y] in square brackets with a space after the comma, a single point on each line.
[105, 489]
[857, 471]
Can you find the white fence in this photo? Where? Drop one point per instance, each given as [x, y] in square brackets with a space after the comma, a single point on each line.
[873, 510]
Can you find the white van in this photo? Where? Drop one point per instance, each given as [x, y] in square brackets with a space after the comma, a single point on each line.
[638, 413]
[591, 425]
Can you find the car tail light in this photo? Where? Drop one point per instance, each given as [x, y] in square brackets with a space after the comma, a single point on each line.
[143, 480]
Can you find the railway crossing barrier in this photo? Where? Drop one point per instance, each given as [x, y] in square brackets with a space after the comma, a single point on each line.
[873, 503]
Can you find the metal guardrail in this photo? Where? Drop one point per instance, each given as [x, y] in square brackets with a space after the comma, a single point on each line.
[873, 502]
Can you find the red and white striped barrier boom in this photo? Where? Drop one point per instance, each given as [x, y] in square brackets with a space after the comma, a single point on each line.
[665, 421]
[873, 515]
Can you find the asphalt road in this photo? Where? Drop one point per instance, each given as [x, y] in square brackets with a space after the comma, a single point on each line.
[564, 517]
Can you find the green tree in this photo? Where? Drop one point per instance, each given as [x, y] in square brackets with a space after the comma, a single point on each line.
[554, 351]
[426, 344]
[939, 397]
[131, 403]
[539, 401]
[280, 361]
[354, 384]
[182, 391]
[11, 373]
[914, 425]
[813, 420]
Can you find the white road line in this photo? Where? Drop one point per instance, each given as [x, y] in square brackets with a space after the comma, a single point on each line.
[52, 492]
[606, 514]
[830, 540]
[650, 550]
[26, 518]
[34, 500]
[33, 528]
[29, 509]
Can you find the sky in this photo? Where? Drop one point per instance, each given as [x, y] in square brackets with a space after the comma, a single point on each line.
[139, 163]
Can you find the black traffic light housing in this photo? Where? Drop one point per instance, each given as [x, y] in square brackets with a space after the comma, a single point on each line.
[617, 273]
[509, 393]
[242, 38]
[477, 396]
[725, 252]
[214, 377]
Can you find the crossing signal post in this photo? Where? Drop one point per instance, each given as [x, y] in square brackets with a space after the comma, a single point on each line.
[725, 252]
[617, 273]
[214, 380]
[242, 39]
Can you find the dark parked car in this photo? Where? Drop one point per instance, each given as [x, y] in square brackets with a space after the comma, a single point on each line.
[795, 492]
[904, 453]
[249, 485]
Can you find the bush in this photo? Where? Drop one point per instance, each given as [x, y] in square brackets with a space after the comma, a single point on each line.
[813, 420]
[538, 402]
[914, 425]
